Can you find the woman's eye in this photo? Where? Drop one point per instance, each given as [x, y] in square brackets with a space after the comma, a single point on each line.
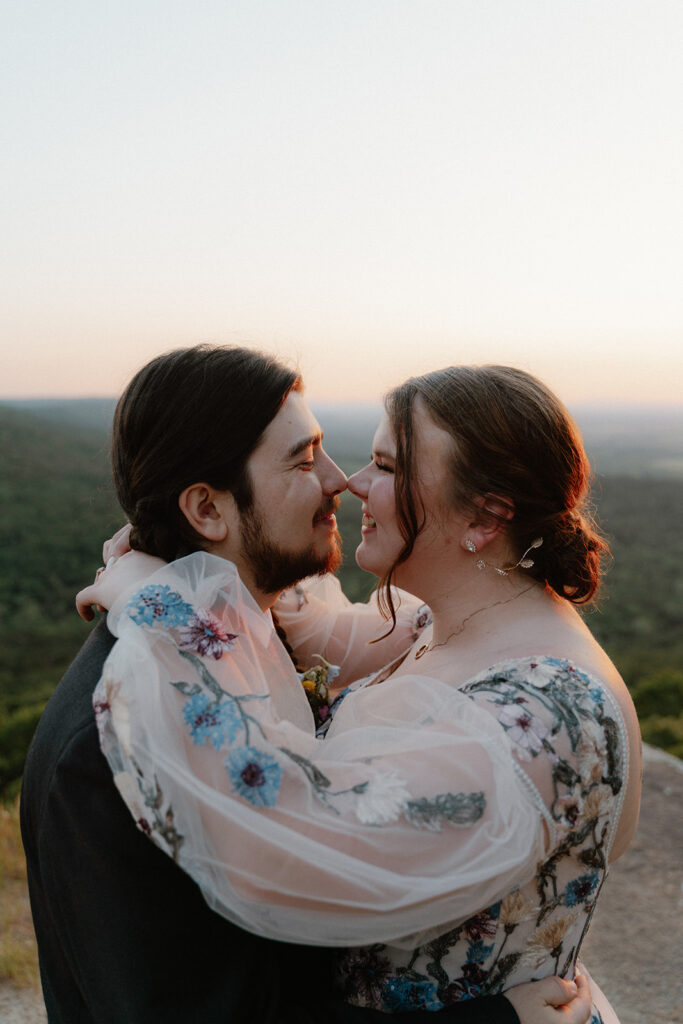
[383, 467]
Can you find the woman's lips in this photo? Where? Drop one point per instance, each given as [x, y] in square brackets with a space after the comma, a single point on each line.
[367, 523]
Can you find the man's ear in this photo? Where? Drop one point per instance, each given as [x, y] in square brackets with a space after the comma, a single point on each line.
[492, 515]
[207, 511]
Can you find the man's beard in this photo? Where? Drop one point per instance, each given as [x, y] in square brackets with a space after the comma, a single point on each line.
[275, 569]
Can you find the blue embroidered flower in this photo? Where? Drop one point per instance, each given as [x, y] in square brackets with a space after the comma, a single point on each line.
[559, 662]
[210, 721]
[477, 952]
[401, 993]
[596, 695]
[255, 775]
[567, 666]
[581, 888]
[158, 604]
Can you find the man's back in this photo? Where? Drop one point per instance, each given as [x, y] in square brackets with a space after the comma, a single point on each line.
[123, 934]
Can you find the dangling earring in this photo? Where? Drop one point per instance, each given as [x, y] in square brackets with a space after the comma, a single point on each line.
[523, 563]
[470, 545]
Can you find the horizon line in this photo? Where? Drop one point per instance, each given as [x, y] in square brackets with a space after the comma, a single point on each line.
[586, 404]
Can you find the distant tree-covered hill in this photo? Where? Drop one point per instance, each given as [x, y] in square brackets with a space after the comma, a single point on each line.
[58, 505]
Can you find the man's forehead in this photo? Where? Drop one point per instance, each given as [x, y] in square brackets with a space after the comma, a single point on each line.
[292, 428]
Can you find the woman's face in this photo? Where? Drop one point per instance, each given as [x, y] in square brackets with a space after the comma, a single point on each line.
[382, 541]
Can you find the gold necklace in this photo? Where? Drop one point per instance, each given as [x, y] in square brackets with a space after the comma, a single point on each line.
[456, 632]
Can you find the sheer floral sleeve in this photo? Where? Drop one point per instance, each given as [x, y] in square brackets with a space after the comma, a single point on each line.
[320, 620]
[411, 814]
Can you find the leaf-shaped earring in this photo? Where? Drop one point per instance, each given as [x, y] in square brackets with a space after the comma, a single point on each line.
[523, 563]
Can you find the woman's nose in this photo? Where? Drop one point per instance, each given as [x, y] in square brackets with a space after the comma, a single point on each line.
[358, 483]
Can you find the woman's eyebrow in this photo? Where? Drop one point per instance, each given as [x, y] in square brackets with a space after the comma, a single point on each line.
[307, 442]
[377, 453]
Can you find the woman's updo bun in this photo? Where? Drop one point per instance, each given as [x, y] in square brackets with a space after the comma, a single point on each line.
[570, 558]
[514, 439]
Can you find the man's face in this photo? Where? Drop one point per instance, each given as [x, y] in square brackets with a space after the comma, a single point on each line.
[289, 530]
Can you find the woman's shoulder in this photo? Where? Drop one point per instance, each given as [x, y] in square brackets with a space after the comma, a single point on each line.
[544, 701]
[570, 731]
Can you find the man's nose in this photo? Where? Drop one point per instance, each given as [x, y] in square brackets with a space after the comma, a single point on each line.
[334, 481]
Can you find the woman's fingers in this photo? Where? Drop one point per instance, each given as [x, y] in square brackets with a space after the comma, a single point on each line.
[552, 1001]
[556, 991]
[120, 574]
[85, 599]
[117, 545]
[580, 1010]
[88, 597]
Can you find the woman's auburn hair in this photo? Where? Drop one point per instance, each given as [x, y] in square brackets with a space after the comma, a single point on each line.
[512, 438]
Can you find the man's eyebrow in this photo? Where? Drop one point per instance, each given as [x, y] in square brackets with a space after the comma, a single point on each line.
[307, 442]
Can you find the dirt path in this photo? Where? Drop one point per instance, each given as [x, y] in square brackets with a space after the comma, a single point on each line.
[635, 943]
[21, 1006]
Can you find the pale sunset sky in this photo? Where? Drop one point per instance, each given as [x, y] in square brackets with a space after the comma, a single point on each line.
[372, 188]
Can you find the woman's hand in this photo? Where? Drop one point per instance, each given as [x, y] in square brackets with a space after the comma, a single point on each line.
[552, 1001]
[120, 575]
[117, 545]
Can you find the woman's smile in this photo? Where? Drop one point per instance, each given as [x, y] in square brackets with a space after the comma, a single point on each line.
[368, 523]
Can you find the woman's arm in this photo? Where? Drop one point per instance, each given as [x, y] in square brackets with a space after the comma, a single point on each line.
[320, 620]
[122, 575]
[403, 821]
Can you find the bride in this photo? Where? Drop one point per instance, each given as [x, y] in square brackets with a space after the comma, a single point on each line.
[454, 827]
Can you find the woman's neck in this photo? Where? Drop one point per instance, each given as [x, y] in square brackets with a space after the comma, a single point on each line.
[476, 604]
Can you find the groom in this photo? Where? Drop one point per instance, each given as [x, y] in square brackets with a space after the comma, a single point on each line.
[124, 936]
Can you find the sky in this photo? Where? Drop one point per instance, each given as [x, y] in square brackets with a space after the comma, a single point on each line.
[370, 188]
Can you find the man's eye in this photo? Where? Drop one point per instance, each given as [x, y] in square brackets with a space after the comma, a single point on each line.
[308, 464]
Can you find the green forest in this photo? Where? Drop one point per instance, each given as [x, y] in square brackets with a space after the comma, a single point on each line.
[58, 505]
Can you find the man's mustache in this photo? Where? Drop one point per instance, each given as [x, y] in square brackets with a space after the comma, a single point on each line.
[328, 509]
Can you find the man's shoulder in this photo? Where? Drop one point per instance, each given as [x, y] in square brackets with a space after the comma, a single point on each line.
[69, 711]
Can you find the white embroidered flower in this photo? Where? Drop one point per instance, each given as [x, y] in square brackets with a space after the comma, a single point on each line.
[382, 800]
[120, 714]
[128, 788]
[597, 803]
[539, 674]
[592, 753]
[527, 731]
[569, 811]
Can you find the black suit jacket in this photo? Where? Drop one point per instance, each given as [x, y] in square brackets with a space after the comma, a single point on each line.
[124, 936]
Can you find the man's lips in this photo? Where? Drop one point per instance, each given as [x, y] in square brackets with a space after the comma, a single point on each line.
[327, 514]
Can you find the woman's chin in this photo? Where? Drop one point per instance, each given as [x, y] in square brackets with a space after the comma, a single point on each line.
[366, 561]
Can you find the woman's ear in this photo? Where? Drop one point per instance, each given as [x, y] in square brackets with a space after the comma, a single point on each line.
[207, 511]
[493, 513]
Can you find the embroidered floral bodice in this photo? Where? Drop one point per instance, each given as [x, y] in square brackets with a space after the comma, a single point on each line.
[453, 839]
[568, 737]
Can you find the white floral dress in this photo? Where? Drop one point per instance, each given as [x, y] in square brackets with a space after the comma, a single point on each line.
[568, 735]
[454, 840]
